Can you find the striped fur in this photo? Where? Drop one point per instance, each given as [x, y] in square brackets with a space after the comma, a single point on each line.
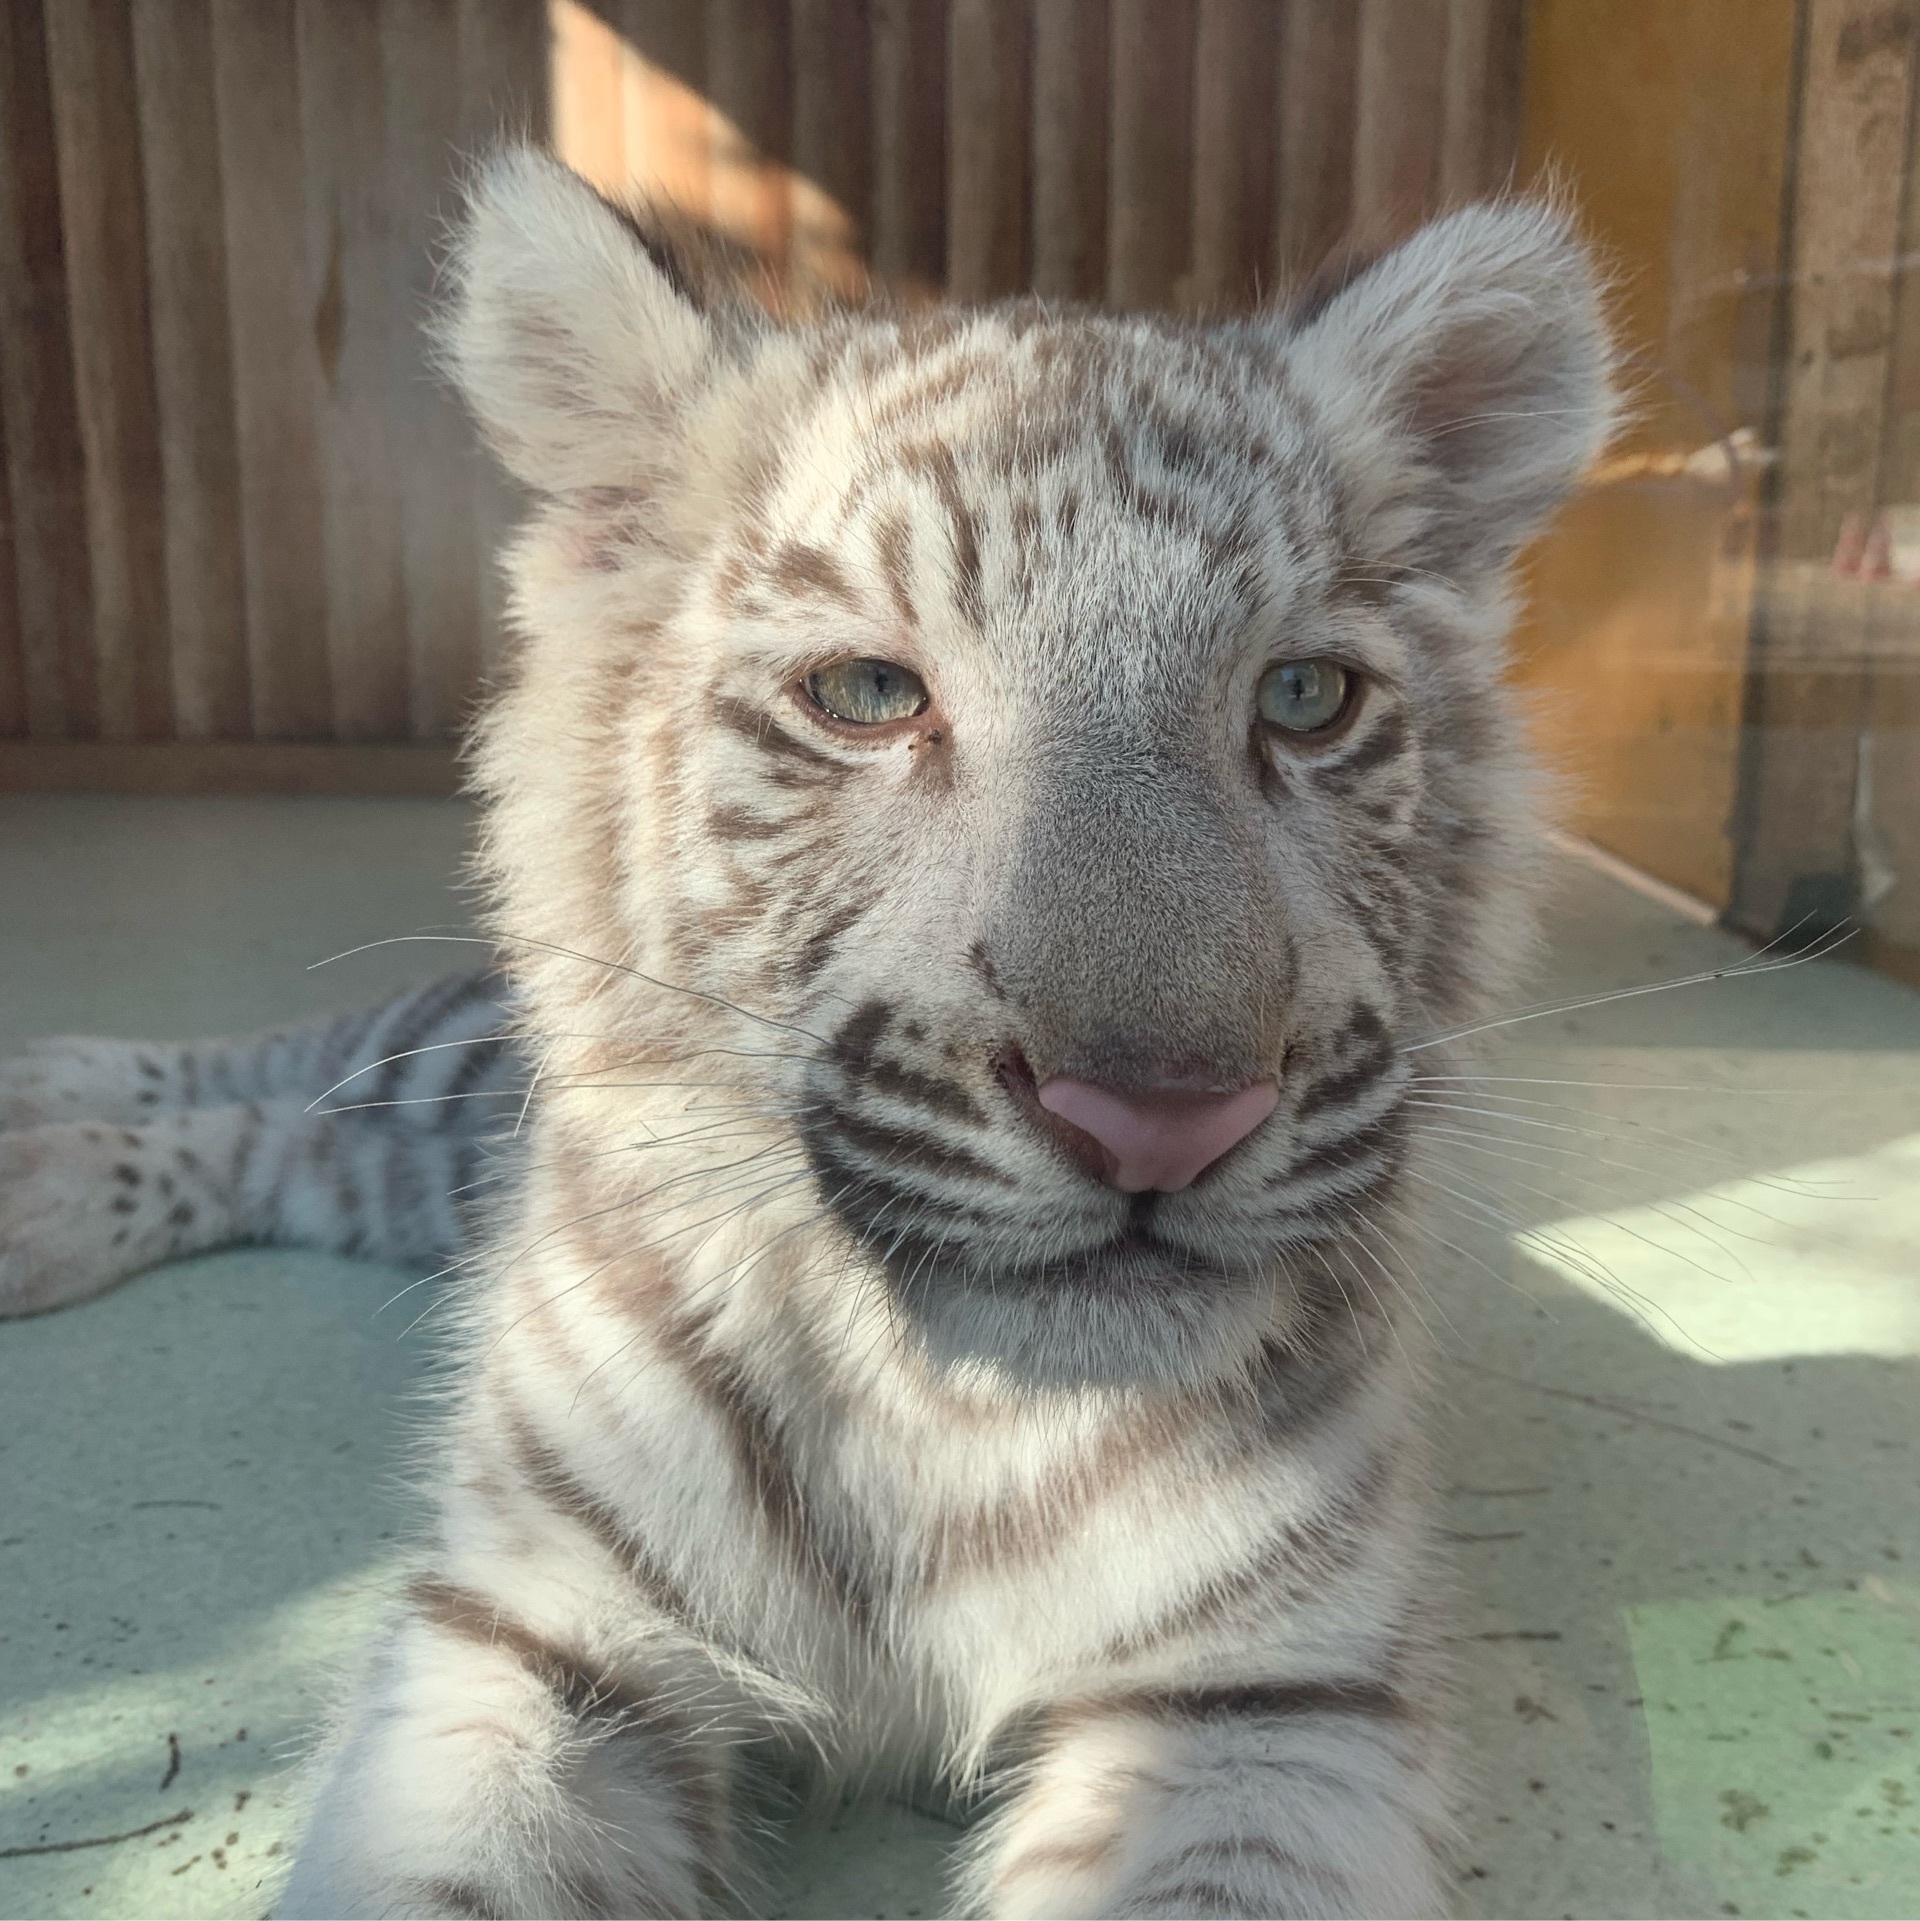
[355, 1134]
[822, 1412]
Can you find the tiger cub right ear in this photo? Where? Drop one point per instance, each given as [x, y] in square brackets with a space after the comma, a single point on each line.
[574, 340]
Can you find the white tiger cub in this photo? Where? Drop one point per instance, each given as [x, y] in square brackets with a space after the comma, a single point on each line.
[985, 798]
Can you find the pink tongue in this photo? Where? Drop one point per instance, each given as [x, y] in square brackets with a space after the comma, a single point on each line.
[1160, 1141]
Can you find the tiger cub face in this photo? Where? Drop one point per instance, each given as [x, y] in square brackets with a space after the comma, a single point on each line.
[1041, 766]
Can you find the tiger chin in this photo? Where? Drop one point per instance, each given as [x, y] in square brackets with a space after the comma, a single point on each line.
[984, 801]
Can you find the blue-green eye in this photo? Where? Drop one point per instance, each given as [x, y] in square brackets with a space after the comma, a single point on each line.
[1304, 696]
[867, 693]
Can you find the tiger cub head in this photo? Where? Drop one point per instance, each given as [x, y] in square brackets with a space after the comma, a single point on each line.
[1019, 776]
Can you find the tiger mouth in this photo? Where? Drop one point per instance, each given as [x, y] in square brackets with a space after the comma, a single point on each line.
[1134, 1259]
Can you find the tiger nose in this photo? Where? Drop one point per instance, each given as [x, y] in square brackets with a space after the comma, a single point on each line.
[1160, 1138]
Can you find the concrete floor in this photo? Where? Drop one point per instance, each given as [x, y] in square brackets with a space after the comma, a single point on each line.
[1686, 1533]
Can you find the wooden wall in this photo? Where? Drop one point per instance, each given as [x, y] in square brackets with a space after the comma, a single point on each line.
[235, 509]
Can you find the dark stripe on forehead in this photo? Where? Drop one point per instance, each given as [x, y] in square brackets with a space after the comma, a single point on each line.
[799, 568]
[893, 544]
[936, 464]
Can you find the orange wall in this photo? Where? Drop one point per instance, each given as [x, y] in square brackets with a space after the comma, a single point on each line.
[1665, 125]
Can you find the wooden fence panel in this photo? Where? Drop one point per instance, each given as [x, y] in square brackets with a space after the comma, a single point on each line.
[909, 69]
[46, 471]
[1313, 196]
[1235, 64]
[1070, 68]
[193, 369]
[1149, 161]
[429, 436]
[276, 399]
[237, 505]
[103, 216]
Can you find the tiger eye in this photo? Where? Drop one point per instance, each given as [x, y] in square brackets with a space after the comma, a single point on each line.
[1304, 696]
[867, 693]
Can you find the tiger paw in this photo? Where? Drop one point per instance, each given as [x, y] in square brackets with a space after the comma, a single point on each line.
[77, 1077]
[81, 1207]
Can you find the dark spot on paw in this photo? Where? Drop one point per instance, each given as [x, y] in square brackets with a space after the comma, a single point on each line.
[181, 1216]
[189, 1160]
[148, 1097]
[124, 1203]
[127, 1172]
[152, 1069]
[166, 1185]
[120, 1236]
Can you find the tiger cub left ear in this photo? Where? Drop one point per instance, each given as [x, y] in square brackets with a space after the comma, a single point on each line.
[575, 341]
[1466, 380]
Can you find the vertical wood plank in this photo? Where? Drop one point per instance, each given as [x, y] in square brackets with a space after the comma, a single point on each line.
[987, 147]
[506, 89]
[1149, 165]
[506, 75]
[908, 250]
[589, 110]
[46, 479]
[832, 143]
[669, 127]
[13, 655]
[1071, 66]
[1234, 59]
[1399, 103]
[420, 70]
[1313, 193]
[749, 81]
[275, 381]
[1480, 135]
[186, 266]
[343, 141]
[97, 136]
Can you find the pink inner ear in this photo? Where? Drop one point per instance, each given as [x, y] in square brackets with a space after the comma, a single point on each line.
[1160, 1142]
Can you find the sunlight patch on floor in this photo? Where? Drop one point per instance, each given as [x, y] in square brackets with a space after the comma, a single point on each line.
[1818, 1259]
[1785, 1735]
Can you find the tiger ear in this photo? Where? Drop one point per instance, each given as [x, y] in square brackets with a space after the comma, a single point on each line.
[573, 339]
[1467, 380]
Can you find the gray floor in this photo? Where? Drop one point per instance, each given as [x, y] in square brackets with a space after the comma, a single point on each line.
[1686, 1523]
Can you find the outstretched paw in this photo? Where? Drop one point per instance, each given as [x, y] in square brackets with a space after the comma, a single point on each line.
[76, 1077]
[81, 1208]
